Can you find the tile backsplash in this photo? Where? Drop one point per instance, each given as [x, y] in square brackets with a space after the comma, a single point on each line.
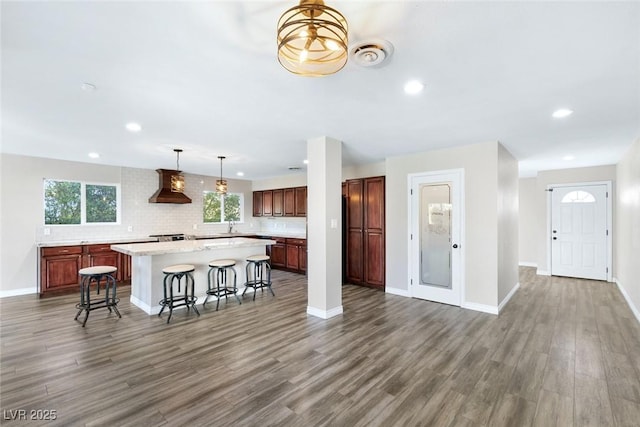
[139, 218]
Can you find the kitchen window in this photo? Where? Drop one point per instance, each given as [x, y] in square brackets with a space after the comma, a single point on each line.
[80, 203]
[219, 208]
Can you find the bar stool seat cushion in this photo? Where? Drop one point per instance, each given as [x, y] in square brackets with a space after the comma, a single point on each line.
[98, 269]
[179, 268]
[258, 258]
[221, 263]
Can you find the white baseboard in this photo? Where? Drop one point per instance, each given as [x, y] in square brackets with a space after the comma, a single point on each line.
[324, 314]
[17, 292]
[542, 272]
[627, 298]
[480, 307]
[528, 264]
[396, 291]
[508, 297]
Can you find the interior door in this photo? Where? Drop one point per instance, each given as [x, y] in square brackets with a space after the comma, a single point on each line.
[436, 247]
[579, 231]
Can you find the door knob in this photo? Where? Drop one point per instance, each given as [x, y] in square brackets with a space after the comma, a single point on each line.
[455, 246]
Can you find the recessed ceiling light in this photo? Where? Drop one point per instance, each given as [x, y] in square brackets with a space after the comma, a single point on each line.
[133, 127]
[568, 157]
[561, 113]
[305, 161]
[413, 87]
[88, 87]
[94, 155]
[240, 173]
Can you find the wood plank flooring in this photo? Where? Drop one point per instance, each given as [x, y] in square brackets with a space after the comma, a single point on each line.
[564, 352]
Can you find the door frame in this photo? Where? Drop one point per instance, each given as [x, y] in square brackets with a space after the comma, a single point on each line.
[609, 204]
[461, 243]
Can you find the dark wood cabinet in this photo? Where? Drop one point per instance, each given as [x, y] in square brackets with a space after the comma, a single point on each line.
[278, 253]
[59, 268]
[301, 201]
[257, 203]
[278, 203]
[289, 201]
[60, 265]
[297, 255]
[364, 232]
[267, 203]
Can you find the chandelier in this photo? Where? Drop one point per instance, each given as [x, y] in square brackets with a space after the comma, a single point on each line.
[312, 39]
[221, 184]
[177, 179]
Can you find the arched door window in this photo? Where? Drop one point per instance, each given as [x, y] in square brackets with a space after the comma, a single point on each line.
[578, 197]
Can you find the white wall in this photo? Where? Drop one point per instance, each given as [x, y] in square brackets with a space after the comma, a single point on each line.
[22, 211]
[527, 222]
[480, 162]
[627, 237]
[364, 171]
[562, 176]
[285, 181]
[507, 223]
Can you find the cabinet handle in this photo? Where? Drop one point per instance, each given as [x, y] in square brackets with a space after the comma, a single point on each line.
[66, 250]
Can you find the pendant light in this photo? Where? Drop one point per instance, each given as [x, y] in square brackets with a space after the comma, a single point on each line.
[312, 39]
[177, 179]
[221, 184]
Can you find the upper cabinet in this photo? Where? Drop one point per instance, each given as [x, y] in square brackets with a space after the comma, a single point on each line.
[289, 202]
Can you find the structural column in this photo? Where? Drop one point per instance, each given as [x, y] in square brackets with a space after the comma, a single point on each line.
[324, 228]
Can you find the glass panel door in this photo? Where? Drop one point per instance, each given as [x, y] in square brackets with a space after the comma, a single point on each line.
[435, 235]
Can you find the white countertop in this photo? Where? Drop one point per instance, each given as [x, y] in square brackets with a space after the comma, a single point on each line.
[94, 242]
[181, 246]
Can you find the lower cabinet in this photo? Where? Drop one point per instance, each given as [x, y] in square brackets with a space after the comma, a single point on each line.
[289, 254]
[60, 265]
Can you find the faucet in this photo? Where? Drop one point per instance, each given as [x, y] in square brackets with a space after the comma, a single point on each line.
[231, 224]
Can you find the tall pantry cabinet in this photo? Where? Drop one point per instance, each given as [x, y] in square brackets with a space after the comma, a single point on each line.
[364, 231]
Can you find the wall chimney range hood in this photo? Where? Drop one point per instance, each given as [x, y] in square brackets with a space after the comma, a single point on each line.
[164, 193]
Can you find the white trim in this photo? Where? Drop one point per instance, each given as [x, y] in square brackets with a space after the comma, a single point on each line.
[491, 309]
[508, 297]
[324, 314]
[627, 298]
[397, 291]
[542, 272]
[18, 292]
[144, 307]
[528, 264]
[609, 202]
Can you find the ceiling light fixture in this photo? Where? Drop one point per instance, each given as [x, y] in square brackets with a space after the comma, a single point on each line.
[221, 184]
[94, 155]
[240, 173]
[312, 39]
[413, 87]
[562, 113]
[177, 179]
[133, 127]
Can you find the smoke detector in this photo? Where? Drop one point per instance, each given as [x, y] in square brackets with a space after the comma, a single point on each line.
[371, 53]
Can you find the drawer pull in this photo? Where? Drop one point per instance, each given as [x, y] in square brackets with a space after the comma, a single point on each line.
[65, 250]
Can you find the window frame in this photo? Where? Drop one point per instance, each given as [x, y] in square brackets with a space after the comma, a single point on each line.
[222, 220]
[83, 202]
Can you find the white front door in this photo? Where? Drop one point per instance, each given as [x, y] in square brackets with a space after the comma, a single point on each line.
[579, 231]
[436, 247]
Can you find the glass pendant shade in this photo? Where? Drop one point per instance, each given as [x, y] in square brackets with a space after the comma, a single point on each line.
[177, 179]
[221, 184]
[177, 183]
[312, 39]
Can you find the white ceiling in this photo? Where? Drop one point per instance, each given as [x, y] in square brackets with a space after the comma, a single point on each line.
[204, 77]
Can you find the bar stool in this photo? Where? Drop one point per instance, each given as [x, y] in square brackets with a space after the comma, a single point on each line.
[221, 287]
[256, 266]
[188, 299]
[95, 275]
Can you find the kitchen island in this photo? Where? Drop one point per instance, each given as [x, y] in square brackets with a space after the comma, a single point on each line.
[148, 260]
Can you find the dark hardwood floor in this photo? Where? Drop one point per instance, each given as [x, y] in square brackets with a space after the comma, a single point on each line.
[563, 352]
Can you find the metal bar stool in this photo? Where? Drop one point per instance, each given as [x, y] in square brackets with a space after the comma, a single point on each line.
[188, 298]
[221, 287]
[256, 267]
[95, 275]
